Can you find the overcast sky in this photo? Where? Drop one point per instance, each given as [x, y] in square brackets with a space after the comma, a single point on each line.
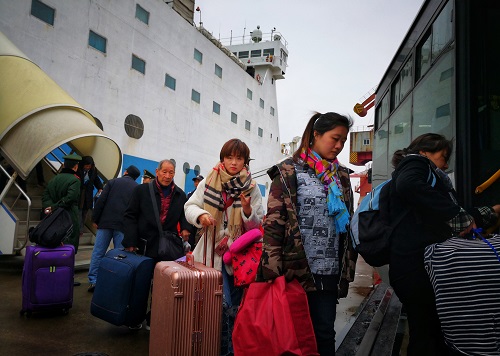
[338, 49]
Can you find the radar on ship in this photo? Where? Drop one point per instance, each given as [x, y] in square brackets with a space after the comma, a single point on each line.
[256, 35]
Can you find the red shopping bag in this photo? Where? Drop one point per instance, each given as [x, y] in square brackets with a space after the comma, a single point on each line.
[274, 320]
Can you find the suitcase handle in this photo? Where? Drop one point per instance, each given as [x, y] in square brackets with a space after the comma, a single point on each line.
[205, 242]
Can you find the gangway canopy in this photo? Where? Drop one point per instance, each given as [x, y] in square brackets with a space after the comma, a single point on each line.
[37, 116]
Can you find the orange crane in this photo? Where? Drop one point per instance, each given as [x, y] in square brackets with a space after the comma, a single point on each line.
[362, 109]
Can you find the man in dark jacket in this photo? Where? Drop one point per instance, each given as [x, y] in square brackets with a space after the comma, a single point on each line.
[108, 218]
[141, 227]
[64, 191]
[89, 179]
[193, 238]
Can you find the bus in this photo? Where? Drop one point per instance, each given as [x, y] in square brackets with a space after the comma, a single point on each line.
[445, 78]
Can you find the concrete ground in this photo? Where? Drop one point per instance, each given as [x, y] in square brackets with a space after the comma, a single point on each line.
[79, 333]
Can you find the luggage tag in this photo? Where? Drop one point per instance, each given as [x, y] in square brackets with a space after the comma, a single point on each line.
[222, 247]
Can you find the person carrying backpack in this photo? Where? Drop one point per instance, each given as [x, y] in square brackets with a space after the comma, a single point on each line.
[431, 215]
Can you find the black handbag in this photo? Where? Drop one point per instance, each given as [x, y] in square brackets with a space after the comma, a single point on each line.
[54, 229]
[170, 244]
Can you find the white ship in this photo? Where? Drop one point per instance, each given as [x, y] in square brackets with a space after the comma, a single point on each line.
[134, 82]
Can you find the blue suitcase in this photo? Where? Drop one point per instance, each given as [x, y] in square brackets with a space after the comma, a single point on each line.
[122, 288]
[48, 279]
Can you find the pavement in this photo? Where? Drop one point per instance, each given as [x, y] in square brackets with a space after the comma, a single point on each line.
[79, 333]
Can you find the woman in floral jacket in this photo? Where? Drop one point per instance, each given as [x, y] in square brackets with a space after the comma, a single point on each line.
[306, 227]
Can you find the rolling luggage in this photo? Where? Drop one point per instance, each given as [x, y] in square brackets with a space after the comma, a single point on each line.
[47, 282]
[186, 309]
[122, 288]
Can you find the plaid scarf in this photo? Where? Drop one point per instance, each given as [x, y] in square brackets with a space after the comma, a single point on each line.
[326, 172]
[219, 181]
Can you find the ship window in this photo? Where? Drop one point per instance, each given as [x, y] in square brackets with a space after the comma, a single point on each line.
[198, 56]
[271, 111]
[170, 82]
[216, 108]
[142, 14]
[366, 141]
[249, 94]
[256, 53]
[43, 12]
[271, 136]
[243, 54]
[268, 52]
[134, 127]
[218, 71]
[261, 103]
[97, 41]
[247, 125]
[261, 132]
[138, 64]
[195, 96]
[234, 118]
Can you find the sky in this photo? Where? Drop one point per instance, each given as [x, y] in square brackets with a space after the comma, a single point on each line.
[338, 50]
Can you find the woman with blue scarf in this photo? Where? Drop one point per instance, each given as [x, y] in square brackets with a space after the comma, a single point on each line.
[305, 231]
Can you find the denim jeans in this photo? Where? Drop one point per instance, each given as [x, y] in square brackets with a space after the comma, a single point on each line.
[231, 301]
[323, 307]
[102, 241]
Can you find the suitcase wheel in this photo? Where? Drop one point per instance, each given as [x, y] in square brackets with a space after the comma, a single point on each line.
[65, 311]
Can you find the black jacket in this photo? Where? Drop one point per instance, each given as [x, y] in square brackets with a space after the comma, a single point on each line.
[110, 207]
[87, 193]
[427, 208]
[141, 229]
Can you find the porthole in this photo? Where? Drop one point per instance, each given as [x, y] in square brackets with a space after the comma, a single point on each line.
[185, 168]
[134, 127]
[98, 123]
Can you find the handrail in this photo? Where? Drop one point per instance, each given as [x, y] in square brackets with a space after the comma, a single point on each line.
[10, 183]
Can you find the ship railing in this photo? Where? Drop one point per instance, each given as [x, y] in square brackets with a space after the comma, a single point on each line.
[247, 39]
[361, 128]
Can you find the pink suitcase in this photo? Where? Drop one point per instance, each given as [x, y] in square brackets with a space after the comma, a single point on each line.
[186, 310]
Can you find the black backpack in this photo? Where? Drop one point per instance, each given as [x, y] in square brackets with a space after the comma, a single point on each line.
[371, 227]
[53, 229]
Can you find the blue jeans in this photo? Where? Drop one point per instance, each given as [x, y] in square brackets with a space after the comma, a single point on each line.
[102, 241]
[230, 302]
[323, 307]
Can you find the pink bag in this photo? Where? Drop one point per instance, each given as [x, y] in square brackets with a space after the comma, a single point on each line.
[274, 319]
[244, 255]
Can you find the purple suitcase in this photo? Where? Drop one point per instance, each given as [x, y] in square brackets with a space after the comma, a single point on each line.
[48, 278]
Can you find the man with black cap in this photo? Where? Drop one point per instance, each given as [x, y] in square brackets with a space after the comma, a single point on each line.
[108, 218]
[64, 191]
[89, 179]
[147, 177]
[193, 238]
[196, 181]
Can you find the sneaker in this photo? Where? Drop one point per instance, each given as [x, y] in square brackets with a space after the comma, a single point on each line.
[136, 327]
[91, 287]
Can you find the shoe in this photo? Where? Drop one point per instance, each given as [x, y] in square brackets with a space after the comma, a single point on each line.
[147, 327]
[91, 287]
[76, 284]
[136, 327]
